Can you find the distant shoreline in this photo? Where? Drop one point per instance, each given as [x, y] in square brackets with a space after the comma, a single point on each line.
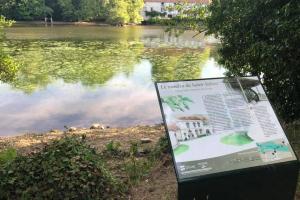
[62, 23]
[80, 23]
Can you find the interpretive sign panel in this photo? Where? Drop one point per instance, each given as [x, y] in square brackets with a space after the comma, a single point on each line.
[220, 125]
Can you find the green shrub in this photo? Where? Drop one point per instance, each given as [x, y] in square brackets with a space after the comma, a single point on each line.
[112, 149]
[257, 38]
[262, 38]
[137, 168]
[66, 169]
[161, 147]
[155, 14]
[7, 156]
[156, 20]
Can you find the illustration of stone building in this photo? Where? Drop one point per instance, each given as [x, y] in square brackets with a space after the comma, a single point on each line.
[192, 127]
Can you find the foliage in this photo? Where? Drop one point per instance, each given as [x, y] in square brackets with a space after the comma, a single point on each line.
[121, 12]
[117, 10]
[157, 20]
[66, 169]
[137, 167]
[114, 11]
[22, 9]
[7, 156]
[29, 10]
[188, 18]
[264, 44]
[78, 10]
[257, 38]
[155, 14]
[134, 10]
[8, 67]
[161, 147]
[113, 149]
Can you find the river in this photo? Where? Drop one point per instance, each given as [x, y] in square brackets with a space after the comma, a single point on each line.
[79, 75]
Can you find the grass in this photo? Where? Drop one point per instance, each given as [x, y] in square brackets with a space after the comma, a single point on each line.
[135, 163]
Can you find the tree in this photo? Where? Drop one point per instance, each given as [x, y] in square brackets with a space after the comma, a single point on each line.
[67, 10]
[76, 10]
[29, 10]
[7, 8]
[134, 10]
[8, 68]
[257, 38]
[23, 9]
[117, 12]
[89, 9]
[264, 44]
[121, 12]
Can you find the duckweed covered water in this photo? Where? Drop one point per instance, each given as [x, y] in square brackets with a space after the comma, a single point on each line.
[76, 76]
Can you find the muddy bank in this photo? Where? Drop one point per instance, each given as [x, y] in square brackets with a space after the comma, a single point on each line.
[97, 137]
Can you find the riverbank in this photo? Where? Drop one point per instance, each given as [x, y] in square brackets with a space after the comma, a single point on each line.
[78, 23]
[97, 137]
[82, 23]
[158, 182]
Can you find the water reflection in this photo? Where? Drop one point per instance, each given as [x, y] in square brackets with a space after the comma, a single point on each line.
[79, 82]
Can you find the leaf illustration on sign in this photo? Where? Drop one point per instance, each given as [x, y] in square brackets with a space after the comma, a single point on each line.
[178, 102]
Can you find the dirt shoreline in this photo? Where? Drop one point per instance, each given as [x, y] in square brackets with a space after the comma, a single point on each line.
[97, 137]
[79, 23]
[62, 23]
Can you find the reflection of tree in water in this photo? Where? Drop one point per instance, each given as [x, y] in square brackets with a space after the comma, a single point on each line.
[95, 62]
[184, 65]
[88, 62]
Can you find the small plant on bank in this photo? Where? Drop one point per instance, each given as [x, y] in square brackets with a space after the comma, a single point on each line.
[135, 167]
[66, 169]
[161, 147]
[112, 149]
[138, 167]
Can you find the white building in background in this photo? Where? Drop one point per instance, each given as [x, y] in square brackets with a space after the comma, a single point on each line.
[191, 127]
[161, 6]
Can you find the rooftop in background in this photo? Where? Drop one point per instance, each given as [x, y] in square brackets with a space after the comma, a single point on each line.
[177, 1]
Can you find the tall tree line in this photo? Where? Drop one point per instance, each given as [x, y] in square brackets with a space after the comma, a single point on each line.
[113, 11]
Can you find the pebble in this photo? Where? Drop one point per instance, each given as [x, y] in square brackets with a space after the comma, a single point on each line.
[146, 140]
[97, 126]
